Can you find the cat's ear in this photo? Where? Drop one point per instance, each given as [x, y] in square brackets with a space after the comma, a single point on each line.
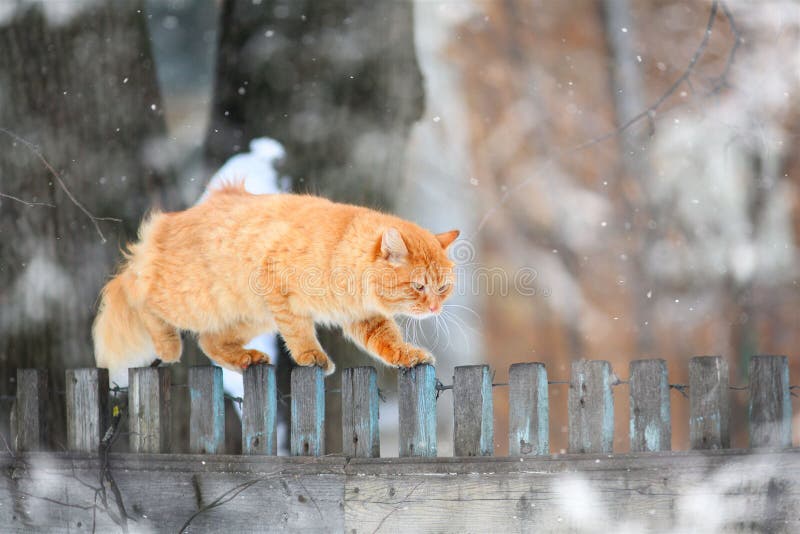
[447, 238]
[392, 246]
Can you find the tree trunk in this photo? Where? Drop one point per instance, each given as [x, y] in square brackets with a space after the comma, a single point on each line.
[634, 165]
[338, 84]
[79, 84]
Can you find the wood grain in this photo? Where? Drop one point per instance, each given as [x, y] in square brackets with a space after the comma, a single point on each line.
[741, 491]
[360, 411]
[770, 402]
[417, 406]
[308, 411]
[529, 426]
[149, 408]
[259, 410]
[29, 416]
[87, 408]
[650, 421]
[709, 403]
[591, 407]
[473, 423]
[206, 410]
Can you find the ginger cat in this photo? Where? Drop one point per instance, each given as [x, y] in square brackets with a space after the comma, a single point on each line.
[239, 265]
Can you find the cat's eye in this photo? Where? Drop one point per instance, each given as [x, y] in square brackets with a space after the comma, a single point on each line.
[417, 286]
[443, 288]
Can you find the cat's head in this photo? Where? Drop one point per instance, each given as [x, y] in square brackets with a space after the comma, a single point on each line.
[416, 274]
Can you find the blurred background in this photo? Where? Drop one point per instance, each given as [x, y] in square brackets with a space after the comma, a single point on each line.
[630, 169]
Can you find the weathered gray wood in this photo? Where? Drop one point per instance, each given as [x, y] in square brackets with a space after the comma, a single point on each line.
[162, 492]
[473, 420]
[308, 411]
[207, 410]
[417, 410]
[591, 407]
[528, 417]
[29, 417]
[650, 423]
[709, 403]
[87, 408]
[149, 408]
[259, 410]
[770, 402]
[360, 408]
[654, 492]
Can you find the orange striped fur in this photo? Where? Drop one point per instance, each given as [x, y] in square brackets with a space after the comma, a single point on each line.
[238, 265]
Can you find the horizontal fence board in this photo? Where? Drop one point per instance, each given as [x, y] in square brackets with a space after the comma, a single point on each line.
[742, 490]
[162, 492]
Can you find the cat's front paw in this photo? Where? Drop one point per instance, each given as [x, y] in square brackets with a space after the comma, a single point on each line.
[252, 357]
[316, 357]
[413, 356]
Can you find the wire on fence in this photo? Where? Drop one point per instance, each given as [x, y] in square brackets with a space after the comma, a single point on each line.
[440, 387]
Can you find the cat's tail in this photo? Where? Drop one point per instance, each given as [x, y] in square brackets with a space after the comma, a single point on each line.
[120, 337]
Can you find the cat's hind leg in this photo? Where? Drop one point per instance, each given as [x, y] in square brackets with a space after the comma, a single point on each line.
[226, 347]
[166, 338]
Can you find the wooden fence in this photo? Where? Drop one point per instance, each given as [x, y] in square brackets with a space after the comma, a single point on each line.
[588, 489]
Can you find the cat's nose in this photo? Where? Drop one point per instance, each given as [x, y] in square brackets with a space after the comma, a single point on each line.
[435, 308]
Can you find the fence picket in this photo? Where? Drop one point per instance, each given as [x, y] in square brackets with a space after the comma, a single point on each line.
[417, 407]
[308, 411]
[206, 410]
[259, 410]
[473, 422]
[528, 420]
[87, 408]
[770, 402]
[591, 407]
[709, 403]
[149, 401]
[360, 432]
[650, 424]
[29, 417]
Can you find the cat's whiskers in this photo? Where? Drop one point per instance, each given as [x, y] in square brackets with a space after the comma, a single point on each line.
[436, 338]
[447, 316]
[461, 325]
[467, 308]
[445, 328]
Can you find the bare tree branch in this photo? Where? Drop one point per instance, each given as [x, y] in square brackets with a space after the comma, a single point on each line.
[649, 113]
[26, 202]
[33, 148]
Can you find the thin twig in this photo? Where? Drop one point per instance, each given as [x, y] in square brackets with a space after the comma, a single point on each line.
[33, 148]
[651, 110]
[649, 113]
[28, 203]
[219, 501]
